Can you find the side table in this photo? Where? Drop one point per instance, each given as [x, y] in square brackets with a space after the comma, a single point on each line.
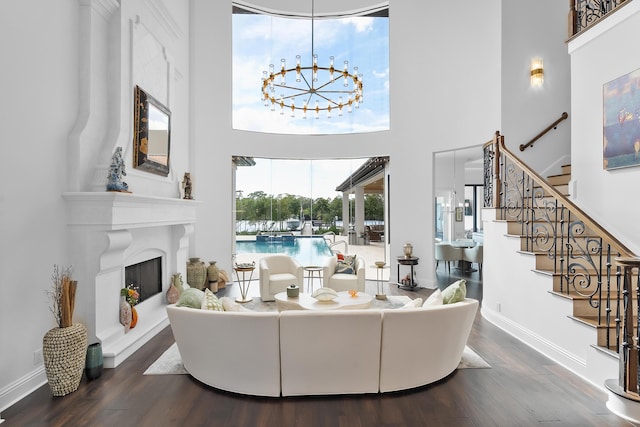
[380, 266]
[314, 271]
[244, 282]
[410, 261]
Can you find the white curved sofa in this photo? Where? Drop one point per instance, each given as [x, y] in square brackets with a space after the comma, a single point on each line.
[304, 352]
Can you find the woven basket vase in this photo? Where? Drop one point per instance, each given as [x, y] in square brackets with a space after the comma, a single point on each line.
[65, 351]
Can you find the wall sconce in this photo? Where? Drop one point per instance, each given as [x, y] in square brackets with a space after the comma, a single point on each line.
[537, 72]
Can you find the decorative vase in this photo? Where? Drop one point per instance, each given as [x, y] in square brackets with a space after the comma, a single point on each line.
[212, 272]
[134, 317]
[212, 276]
[125, 313]
[64, 351]
[408, 250]
[173, 294]
[223, 278]
[95, 361]
[293, 291]
[196, 273]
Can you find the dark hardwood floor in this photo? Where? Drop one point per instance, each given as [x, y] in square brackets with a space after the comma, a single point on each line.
[522, 388]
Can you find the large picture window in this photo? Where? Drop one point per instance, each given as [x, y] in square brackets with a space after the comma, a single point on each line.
[262, 39]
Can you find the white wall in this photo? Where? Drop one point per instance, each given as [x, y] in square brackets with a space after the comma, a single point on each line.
[611, 197]
[433, 107]
[38, 108]
[67, 84]
[536, 30]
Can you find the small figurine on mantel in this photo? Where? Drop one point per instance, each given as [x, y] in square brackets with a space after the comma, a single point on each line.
[187, 186]
[116, 172]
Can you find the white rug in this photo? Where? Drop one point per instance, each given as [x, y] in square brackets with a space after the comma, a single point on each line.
[171, 363]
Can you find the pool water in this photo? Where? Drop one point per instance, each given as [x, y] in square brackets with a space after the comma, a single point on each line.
[306, 250]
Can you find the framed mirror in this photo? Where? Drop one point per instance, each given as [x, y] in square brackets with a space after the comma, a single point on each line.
[151, 133]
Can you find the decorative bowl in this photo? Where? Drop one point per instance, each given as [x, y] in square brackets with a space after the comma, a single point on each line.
[324, 294]
[380, 264]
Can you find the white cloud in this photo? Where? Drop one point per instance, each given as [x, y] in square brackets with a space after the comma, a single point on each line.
[361, 24]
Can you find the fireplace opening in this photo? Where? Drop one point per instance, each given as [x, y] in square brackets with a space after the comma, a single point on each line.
[146, 277]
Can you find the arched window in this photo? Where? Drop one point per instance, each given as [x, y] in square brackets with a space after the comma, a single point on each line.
[262, 40]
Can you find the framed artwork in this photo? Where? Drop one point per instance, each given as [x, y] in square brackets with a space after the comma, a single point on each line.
[459, 214]
[621, 127]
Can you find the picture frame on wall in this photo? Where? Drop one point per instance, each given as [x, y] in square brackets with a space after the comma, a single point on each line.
[459, 214]
[621, 127]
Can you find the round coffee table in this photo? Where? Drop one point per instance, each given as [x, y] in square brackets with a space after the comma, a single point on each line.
[306, 302]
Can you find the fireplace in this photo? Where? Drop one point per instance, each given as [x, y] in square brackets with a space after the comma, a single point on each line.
[145, 277]
[121, 238]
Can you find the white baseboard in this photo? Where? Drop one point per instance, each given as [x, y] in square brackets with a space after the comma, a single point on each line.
[22, 387]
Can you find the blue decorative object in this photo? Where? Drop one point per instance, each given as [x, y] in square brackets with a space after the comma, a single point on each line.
[116, 171]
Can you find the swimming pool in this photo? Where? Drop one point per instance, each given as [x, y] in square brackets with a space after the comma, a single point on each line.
[306, 250]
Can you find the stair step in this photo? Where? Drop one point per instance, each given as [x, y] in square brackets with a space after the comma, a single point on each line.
[566, 169]
[534, 246]
[559, 179]
[561, 188]
[560, 285]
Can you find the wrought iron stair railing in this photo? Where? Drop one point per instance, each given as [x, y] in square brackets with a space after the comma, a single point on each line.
[584, 13]
[585, 260]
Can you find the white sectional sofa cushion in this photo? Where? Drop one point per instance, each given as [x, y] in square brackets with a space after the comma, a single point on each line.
[330, 352]
[234, 351]
[423, 345]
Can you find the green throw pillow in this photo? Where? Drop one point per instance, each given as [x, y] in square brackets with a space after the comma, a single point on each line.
[455, 292]
[211, 301]
[191, 298]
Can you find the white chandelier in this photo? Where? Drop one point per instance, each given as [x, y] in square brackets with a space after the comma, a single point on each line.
[315, 88]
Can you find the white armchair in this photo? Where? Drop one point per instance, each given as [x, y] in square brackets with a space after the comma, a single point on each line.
[276, 273]
[343, 281]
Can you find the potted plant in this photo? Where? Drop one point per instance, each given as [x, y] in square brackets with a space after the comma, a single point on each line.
[64, 347]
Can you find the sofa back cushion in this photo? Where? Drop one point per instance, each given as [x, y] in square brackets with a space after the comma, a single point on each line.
[432, 352]
[330, 352]
[233, 351]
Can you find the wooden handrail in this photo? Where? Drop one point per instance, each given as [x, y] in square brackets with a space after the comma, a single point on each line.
[564, 116]
[588, 221]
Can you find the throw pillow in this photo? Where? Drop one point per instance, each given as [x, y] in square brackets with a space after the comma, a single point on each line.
[414, 303]
[230, 305]
[346, 266]
[434, 299]
[211, 301]
[455, 292]
[191, 298]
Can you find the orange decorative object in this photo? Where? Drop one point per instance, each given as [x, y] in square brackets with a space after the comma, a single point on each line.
[134, 318]
[353, 293]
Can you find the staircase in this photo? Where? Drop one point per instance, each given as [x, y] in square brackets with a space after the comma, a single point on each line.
[586, 302]
[550, 246]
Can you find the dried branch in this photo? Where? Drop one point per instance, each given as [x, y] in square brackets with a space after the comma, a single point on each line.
[61, 305]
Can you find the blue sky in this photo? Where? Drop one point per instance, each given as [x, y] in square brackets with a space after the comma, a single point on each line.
[309, 178]
[260, 40]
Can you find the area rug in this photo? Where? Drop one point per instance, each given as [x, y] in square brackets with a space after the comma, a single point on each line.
[170, 362]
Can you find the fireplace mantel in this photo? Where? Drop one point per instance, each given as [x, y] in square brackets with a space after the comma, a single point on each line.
[109, 231]
[121, 211]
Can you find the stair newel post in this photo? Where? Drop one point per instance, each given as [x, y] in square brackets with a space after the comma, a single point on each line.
[496, 170]
[628, 371]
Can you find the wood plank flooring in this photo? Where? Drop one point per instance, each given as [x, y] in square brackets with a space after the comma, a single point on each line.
[522, 388]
